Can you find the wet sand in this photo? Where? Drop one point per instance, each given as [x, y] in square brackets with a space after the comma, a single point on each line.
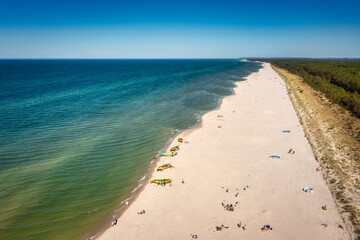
[228, 155]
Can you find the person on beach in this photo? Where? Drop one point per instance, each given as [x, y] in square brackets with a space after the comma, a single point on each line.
[221, 227]
[290, 150]
[113, 223]
[182, 181]
[266, 228]
[308, 189]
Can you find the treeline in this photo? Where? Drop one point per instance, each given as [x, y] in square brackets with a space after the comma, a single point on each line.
[339, 80]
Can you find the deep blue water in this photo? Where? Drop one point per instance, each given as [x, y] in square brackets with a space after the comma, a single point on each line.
[77, 135]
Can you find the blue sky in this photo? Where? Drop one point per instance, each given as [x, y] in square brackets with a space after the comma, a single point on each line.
[179, 29]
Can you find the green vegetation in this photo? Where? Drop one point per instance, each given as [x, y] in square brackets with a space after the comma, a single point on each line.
[339, 80]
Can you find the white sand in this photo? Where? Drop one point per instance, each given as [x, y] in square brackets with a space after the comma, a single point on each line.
[233, 157]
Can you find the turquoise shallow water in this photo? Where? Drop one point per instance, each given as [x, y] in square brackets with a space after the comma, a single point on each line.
[77, 135]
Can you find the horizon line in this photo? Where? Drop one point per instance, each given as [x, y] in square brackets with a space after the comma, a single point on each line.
[242, 58]
[178, 58]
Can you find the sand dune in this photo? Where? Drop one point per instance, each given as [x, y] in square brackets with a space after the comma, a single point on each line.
[228, 156]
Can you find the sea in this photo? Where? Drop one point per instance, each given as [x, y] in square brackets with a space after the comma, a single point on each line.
[77, 137]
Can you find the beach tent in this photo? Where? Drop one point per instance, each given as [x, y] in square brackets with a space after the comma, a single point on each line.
[274, 156]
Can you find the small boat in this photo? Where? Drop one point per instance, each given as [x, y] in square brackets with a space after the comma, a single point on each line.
[165, 166]
[161, 181]
[173, 149]
[180, 140]
[168, 154]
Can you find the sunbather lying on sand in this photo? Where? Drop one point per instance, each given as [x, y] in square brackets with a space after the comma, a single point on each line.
[308, 189]
[221, 227]
[266, 228]
[229, 207]
[142, 212]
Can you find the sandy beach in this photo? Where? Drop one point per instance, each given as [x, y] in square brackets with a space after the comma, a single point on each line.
[226, 160]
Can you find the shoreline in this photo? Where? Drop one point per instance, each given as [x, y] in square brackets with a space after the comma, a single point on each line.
[132, 196]
[113, 232]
